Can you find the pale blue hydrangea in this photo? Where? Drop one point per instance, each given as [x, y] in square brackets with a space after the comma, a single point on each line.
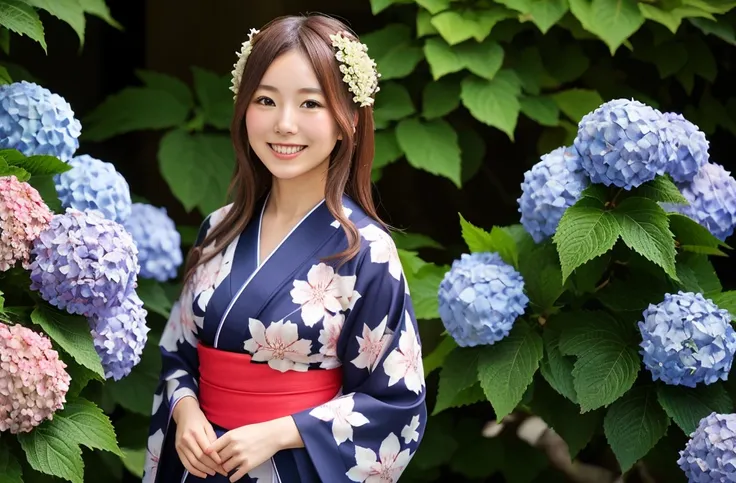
[34, 121]
[480, 298]
[549, 188]
[687, 340]
[620, 144]
[686, 147]
[119, 335]
[92, 184]
[158, 241]
[712, 200]
[710, 454]
[84, 263]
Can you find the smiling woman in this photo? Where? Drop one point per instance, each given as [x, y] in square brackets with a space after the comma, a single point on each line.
[293, 353]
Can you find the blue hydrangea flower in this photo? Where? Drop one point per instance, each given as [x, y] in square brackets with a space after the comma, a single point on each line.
[34, 121]
[685, 146]
[119, 335]
[686, 340]
[620, 144]
[84, 263]
[710, 454]
[92, 184]
[549, 188]
[158, 241]
[480, 298]
[712, 198]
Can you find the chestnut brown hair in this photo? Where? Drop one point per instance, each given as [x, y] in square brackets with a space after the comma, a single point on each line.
[351, 161]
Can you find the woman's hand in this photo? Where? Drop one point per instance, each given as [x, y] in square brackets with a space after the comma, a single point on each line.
[249, 446]
[193, 434]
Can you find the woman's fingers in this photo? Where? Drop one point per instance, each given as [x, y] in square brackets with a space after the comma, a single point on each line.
[185, 460]
[212, 459]
[196, 464]
[211, 437]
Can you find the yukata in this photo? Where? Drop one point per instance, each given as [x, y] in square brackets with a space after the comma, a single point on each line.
[292, 314]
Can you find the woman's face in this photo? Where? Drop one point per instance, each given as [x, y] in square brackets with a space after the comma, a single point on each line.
[289, 126]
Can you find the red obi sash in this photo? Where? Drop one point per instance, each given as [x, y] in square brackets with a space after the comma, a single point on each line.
[234, 392]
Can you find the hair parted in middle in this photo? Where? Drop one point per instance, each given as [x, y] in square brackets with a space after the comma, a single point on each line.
[351, 161]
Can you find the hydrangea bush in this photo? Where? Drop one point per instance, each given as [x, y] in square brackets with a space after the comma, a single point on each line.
[604, 295]
[157, 240]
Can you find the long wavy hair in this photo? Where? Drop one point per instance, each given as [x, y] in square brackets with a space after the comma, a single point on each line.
[351, 160]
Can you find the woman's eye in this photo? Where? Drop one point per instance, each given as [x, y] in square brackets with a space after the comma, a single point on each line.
[266, 101]
[311, 104]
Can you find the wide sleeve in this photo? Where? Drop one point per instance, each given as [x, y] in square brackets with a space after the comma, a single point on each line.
[374, 428]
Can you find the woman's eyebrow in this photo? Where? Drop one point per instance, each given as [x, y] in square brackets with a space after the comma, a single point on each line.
[304, 90]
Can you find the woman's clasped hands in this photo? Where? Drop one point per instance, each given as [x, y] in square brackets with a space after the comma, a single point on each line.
[193, 435]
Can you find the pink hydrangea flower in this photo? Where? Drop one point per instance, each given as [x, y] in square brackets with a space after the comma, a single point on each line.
[33, 382]
[23, 216]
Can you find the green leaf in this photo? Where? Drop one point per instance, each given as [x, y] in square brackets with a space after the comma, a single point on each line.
[614, 21]
[134, 460]
[71, 333]
[431, 146]
[434, 6]
[84, 423]
[19, 17]
[556, 368]
[670, 18]
[194, 183]
[720, 29]
[394, 103]
[46, 188]
[542, 109]
[585, 231]
[493, 102]
[380, 5]
[544, 13]
[133, 109]
[69, 11]
[687, 406]
[644, 227]
[725, 300]
[634, 424]
[172, 85]
[215, 96]
[424, 24]
[410, 261]
[711, 6]
[483, 59]
[437, 357]
[691, 236]
[50, 450]
[5, 43]
[394, 51]
[441, 58]
[440, 98]
[540, 269]
[387, 148]
[634, 292]
[143, 379]
[661, 189]
[497, 240]
[37, 165]
[413, 241]
[607, 362]
[153, 296]
[506, 368]
[80, 375]
[702, 271]
[20, 173]
[458, 26]
[99, 9]
[423, 286]
[459, 371]
[576, 103]
[10, 469]
[473, 151]
[5, 77]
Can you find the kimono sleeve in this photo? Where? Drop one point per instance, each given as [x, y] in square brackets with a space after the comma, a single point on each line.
[374, 428]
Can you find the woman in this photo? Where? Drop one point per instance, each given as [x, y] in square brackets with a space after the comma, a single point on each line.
[293, 354]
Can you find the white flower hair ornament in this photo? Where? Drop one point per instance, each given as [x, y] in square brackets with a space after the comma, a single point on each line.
[358, 69]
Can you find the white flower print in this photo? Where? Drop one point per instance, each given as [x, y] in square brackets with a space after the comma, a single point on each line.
[180, 326]
[157, 400]
[388, 469]
[279, 345]
[340, 412]
[372, 345]
[383, 249]
[153, 454]
[347, 211]
[405, 362]
[172, 388]
[263, 473]
[410, 433]
[323, 292]
[328, 337]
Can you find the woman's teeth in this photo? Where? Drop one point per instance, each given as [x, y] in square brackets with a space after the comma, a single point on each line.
[286, 149]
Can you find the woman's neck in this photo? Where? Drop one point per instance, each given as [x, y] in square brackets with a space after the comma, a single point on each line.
[293, 198]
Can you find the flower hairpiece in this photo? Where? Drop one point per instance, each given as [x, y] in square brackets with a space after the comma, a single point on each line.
[358, 69]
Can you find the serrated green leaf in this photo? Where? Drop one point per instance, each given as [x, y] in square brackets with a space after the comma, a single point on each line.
[585, 231]
[493, 102]
[702, 271]
[215, 97]
[10, 470]
[133, 109]
[607, 362]
[544, 13]
[540, 269]
[99, 9]
[483, 59]
[394, 50]
[441, 58]
[410, 261]
[393, 103]
[497, 240]
[143, 379]
[20, 173]
[459, 372]
[436, 358]
[719, 29]
[687, 406]
[692, 236]
[19, 17]
[71, 333]
[423, 286]
[387, 148]
[69, 11]
[440, 98]
[556, 368]
[49, 449]
[634, 424]
[576, 103]
[542, 109]
[660, 189]
[644, 227]
[85, 424]
[726, 301]
[614, 21]
[431, 146]
[506, 368]
[458, 26]
[36, 165]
